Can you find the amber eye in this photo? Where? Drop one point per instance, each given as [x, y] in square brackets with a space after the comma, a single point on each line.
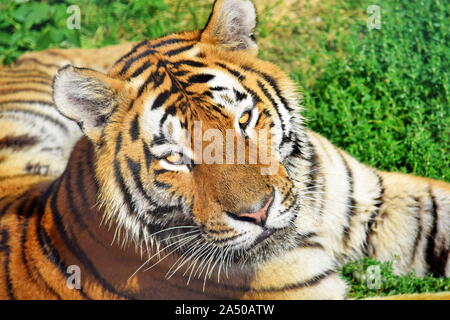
[174, 158]
[244, 120]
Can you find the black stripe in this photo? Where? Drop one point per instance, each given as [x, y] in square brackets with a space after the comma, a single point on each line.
[134, 129]
[310, 244]
[156, 78]
[272, 101]
[135, 168]
[297, 152]
[313, 165]
[73, 246]
[180, 73]
[273, 84]
[8, 205]
[90, 165]
[7, 252]
[36, 114]
[373, 217]
[436, 262]
[141, 69]
[258, 120]
[219, 110]
[6, 72]
[179, 50]
[240, 95]
[48, 65]
[200, 78]
[26, 89]
[45, 103]
[5, 208]
[267, 113]
[313, 174]
[350, 201]
[159, 140]
[235, 73]
[4, 239]
[160, 99]
[292, 286]
[303, 284]
[255, 97]
[131, 52]
[7, 83]
[14, 176]
[290, 208]
[148, 155]
[81, 174]
[159, 171]
[218, 88]
[27, 212]
[191, 63]
[44, 240]
[161, 185]
[40, 75]
[163, 210]
[55, 53]
[168, 42]
[169, 111]
[118, 145]
[132, 60]
[80, 192]
[128, 198]
[18, 142]
[230, 238]
[418, 232]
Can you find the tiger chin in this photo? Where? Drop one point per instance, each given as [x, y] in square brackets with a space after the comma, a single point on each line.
[149, 198]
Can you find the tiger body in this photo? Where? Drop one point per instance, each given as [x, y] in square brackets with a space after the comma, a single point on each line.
[111, 202]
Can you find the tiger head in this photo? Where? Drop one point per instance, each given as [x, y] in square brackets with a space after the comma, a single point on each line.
[196, 139]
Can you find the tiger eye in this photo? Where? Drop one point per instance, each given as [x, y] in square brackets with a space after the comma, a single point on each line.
[245, 118]
[174, 158]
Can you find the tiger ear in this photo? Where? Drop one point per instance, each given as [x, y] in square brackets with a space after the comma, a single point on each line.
[231, 25]
[87, 97]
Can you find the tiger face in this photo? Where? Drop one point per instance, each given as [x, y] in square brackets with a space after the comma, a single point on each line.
[194, 137]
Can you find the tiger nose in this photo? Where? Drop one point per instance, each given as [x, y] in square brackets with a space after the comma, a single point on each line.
[258, 217]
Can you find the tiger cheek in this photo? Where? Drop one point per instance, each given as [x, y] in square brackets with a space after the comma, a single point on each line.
[202, 207]
[205, 208]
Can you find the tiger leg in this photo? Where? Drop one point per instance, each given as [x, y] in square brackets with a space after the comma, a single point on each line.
[301, 274]
[412, 227]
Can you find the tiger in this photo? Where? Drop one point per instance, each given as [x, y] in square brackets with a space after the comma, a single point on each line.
[104, 195]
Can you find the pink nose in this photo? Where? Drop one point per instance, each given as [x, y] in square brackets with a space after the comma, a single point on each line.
[260, 216]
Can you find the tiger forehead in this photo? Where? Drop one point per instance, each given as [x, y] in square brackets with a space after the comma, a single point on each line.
[185, 83]
[178, 65]
[178, 80]
[215, 99]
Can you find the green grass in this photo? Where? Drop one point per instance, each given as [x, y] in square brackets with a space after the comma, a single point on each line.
[360, 276]
[32, 25]
[382, 95]
[387, 100]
